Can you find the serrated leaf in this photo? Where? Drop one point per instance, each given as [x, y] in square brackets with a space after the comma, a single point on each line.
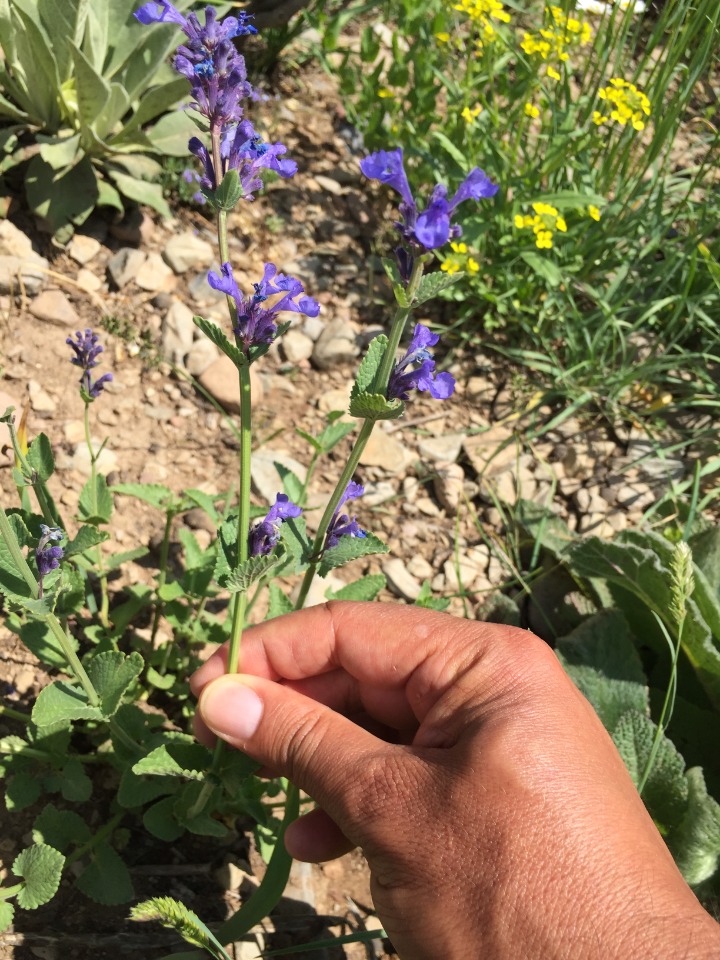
[695, 843]
[278, 603]
[189, 761]
[600, 658]
[61, 701]
[7, 913]
[206, 502]
[226, 559]
[86, 537]
[116, 560]
[428, 600]
[75, 784]
[334, 433]
[350, 548]
[106, 879]
[95, 504]
[160, 821]
[155, 494]
[40, 457]
[229, 191]
[246, 574]
[12, 581]
[112, 674]
[366, 379]
[22, 790]
[60, 829]
[367, 588]
[666, 789]
[433, 284]
[294, 538]
[374, 406]
[41, 867]
[213, 332]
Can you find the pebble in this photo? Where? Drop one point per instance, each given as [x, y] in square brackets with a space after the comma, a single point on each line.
[135, 227]
[54, 307]
[444, 448]
[428, 507]
[40, 399]
[492, 452]
[201, 291]
[449, 486]
[29, 273]
[154, 274]
[420, 568]
[296, 347]
[24, 680]
[202, 353]
[377, 493]
[400, 580]
[124, 266]
[88, 281]
[335, 345]
[106, 462]
[83, 248]
[186, 251]
[385, 451]
[220, 380]
[266, 481]
[312, 327]
[338, 399]
[178, 331]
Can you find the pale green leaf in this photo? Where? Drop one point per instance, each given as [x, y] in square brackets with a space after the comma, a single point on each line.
[367, 375]
[40, 456]
[189, 761]
[60, 829]
[95, 504]
[12, 580]
[695, 843]
[61, 199]
[253, 569]
[433, 284]
[106, 879]
[22, 790]
[374, 406]
[153, 493]
[141, 192]
[7, 913]
[367, 588]
[350, 548]
[213, 332]
[545, 268]
[60, 153]
[61, 701]
[92, 90]
[41, 867]
[112, 674]
[86, 537]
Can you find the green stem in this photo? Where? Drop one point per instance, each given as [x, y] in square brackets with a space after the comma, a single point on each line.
[73, 660]
[388, 361]
[103, 832]
[102, 573]
[243, 515]
[8, 535]
[37, 484]
[162, 579]
[7, 893]
[14, 714]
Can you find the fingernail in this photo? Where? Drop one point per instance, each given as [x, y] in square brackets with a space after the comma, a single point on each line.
[231, 709]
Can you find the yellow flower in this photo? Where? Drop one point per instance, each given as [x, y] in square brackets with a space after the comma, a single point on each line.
[442, 37]
[562, 35]
[532, 111]
[629, 104]
[459, 247]
[519, 221]
[469, 115]
[543, 240]
[599, 118]
[594, 212]
[544, 222]
[459, 259]
[472, 265]
[553, 73]
[450, 266]
[385, 93]
[481, 12]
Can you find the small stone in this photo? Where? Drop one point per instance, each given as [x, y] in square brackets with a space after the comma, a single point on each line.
[124, 266]
[160, 413]
[83, 248]
[40, 399]
[411, 488]
[377, 493]
[467, 570]
[492, 452]
[449, 486]
[202, 354]
[296, 347]
[187, 251]
[201, 291]
[178, 331]
[420, 568]
[154, 473]
[318, 589]
[265, 479]
[400, 580]
[54, 307]
[335, 345]
[24, 680]
[221, 381]
[335, 400]
[444, 448]
[634, 496]
[87, 280]
[501, 487]
[155, 274]
[135, 227]
[385, 451]
[106, 462]
[328, 184]
[74, 431]
[312, 327]
[427, 506]
[14, 243]
[16, 273]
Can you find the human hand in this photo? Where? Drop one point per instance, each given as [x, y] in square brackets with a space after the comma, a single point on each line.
[494, 811]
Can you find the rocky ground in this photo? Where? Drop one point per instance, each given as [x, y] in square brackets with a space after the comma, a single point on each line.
[439, 483]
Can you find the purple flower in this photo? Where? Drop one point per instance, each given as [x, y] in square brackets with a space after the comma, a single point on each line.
[431, 227]
[216, 71]
[342, 525]
[243, 150]
[440, 386]
[266, 534]
[87, 350]
[255, 320]
[47, 558]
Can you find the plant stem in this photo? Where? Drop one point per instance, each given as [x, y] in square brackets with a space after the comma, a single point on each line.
[388, 361]
[103, 832]
[14, 714]
[243, 515]
[102, 573]
[162, 578]
[52, 519]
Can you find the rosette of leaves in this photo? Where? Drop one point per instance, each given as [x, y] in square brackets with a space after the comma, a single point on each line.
[85, 95]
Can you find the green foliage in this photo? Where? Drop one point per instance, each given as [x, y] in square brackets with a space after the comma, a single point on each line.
[40, 866]
[350, 548]
[171, 913]
[367, 588]
[90, 88]
[106, 879]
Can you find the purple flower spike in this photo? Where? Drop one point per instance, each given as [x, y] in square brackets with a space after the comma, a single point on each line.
[342, 525]
[47, 558]
[160, 11]
[87, 350]
[266, 534]
[432, 227]
[402, 381]
[256, 321]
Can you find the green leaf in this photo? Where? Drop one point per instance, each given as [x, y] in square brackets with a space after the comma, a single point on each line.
[350, 548]
[206, 502]
[12, 580]
[374, 406]
[95, 504]
[246, 574]
[666, 790]
[60, 152]
[162, 681]
[170, 135]
[449, 147]
[189, 761]
[106, 879]
[433, 284]
[40, 457]
[86, 537]
[695, 843]
[151, 194]
[292, 484]
[41, 867]
[293, 535]
[213, 332]
[229, 192]
[706, 555]
[367, 375]
[61, 701]
[333, 433]
[75, 784]
[161, 822]
[112, 674]
[155, 102]
[135, 791]
[60, 829]
[7, 913]
[427, 600]
[117, 559]
[61, 198]
[600, 658]
[366, 588]
[91, 88]
[545, 268]
[278, 603]
[153, 493]
[22, 790]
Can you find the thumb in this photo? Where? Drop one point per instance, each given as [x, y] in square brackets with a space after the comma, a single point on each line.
[316, 748]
